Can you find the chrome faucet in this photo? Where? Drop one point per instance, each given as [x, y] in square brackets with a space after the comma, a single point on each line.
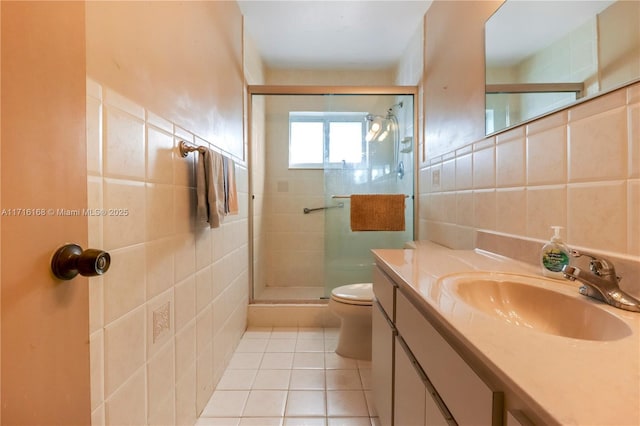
[601, 283]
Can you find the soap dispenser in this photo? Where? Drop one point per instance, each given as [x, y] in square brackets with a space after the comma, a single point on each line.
[555, 255]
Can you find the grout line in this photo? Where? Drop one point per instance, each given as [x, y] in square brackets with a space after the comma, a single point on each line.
[358, 367]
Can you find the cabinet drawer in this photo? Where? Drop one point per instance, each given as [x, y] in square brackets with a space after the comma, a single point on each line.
[468, 398]
[384, 290]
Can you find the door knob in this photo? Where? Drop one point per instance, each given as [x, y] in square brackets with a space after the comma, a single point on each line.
[70, 260]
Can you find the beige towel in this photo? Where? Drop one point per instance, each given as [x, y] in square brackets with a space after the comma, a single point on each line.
[230, 191]
[377, 212]
[210, 187]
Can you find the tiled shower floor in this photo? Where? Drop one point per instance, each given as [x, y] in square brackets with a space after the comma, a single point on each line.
[291, 377]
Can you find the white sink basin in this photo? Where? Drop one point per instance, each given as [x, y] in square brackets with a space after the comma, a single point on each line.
[532, 302]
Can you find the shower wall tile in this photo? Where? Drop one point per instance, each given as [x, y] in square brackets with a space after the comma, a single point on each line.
[145, 334]
[577, 168]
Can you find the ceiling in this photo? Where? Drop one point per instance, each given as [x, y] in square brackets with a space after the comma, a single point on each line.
[336, 34]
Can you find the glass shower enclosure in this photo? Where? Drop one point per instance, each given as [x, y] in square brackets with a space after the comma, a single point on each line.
[310, 150]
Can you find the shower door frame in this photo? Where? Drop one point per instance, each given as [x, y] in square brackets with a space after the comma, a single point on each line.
[324, 90]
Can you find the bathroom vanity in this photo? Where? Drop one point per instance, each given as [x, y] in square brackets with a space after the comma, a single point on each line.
[441, 357]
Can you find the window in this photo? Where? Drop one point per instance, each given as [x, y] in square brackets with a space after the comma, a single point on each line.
[318, 140]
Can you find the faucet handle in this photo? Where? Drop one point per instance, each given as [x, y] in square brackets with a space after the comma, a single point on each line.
[598, 265]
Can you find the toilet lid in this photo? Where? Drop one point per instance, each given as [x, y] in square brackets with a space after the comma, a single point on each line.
[354, 294]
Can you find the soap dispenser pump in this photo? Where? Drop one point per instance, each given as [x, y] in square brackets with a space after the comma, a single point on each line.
[555, 255]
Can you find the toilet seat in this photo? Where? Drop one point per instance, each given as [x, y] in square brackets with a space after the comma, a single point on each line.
[354, 294]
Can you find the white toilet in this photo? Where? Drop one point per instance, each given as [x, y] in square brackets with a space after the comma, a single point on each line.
[352, 304]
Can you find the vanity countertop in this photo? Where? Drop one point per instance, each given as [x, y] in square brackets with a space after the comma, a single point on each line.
[566, 381]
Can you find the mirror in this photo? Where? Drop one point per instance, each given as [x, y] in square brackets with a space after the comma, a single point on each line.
[542, 56]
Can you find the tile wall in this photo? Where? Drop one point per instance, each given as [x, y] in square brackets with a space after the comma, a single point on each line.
[578, 168]
[166, 318]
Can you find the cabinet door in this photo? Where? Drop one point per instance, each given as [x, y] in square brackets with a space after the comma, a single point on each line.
[468, 398]
[409, 390]
[434, 416]
[382, 364]
[517, 418]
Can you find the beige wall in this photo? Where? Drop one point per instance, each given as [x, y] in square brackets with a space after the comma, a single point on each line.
[45, 352]
[619, 51]
[161, 72]
[578, 168]
[168, 56]
[454, 73]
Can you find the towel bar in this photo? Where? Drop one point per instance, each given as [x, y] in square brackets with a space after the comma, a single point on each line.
[307, 210]
[349, 196]
[185, 148]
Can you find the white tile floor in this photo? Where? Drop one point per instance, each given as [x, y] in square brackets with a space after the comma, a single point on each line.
[291, 377]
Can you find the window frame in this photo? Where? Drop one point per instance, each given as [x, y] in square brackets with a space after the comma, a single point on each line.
[326, 119]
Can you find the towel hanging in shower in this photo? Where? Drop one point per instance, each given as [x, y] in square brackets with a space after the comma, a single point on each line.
[377, 212]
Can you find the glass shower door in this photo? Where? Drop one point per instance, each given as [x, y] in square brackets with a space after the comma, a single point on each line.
[383, 165]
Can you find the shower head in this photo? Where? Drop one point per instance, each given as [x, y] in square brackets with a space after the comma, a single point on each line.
[379, 127]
